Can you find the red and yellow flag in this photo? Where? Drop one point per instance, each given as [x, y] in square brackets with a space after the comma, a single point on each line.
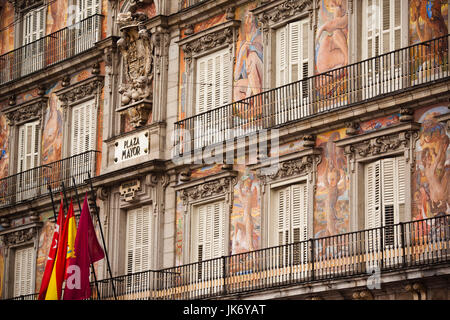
[71, 235]
[59, 269]
[52, 253]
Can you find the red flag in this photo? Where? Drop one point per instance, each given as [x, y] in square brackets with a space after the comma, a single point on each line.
[52, 253]
[55, 285]
[87, 251]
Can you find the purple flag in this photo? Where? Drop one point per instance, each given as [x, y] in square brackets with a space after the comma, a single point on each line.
[87, 250]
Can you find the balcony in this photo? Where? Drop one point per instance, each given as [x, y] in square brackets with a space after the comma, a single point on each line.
[399, 247]
[34, 183]
[367, 80]
[51, 49]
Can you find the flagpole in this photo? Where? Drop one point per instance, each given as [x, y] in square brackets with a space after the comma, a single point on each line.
[53, 203]
[92, 265]
[103, 238]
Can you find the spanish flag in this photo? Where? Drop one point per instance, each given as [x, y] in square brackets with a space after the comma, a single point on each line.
[59, 269]
[71, 235]
[52, 253]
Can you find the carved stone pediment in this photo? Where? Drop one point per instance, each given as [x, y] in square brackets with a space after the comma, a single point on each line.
[395, 139]
[297, 164]
[25, 5]
[273, 12]
[28, 111]
[208, 189]
[224, 34]
[20, 235]
[81, 91]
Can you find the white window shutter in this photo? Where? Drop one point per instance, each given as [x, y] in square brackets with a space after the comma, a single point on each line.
[295, 53]
[23, 271]
[213, 81]
[388, 185]
[28, 146]
[139, 240]
[83, 128]
[373, 195]
[281, 57]
[210, 235]
[34, 25]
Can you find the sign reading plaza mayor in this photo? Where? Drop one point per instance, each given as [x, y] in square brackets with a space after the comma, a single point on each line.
[131, 147]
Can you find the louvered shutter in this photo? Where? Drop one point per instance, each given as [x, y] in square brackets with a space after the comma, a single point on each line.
[33, 25]
[213, 85]
[210, 231]
[139, 240]
[23, 271]
[388, 186]
[83, 128]
[87, 8]
[373, 204]
[282, 49]
[33, 29]
[28, 149]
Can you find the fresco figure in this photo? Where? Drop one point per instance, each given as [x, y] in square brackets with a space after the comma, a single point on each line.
[332, 49]
[428, 12]
[249, 62]
[433, 171]
[4, 161]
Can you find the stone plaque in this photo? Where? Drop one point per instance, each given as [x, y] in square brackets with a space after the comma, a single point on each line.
[131, 147]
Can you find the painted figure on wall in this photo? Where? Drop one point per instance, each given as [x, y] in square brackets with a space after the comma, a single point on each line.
[427, 19]
[331, 210]
[331, 39]
[249, 59]
[432, 177]
[52, 133]
[331, 49]
[245, 221]
[4, 159]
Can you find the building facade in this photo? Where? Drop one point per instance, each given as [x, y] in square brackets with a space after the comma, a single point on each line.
[251, 149]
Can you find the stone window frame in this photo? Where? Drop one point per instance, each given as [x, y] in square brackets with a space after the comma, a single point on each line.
[273, 15]
[200, 44]
[18, 238]
[217, 187]
[76, 94]
[17, 115]
[292, 168]
[393, 141]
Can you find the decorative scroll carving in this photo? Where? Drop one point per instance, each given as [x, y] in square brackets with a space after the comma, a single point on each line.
[208, 41]
[73, 95]
[27, 112]
[208, 189]
[19, 236]
[25, 5]
[380, 145]
[284, 11]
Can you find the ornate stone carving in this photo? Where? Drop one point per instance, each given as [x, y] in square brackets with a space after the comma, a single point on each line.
[284, 11]
[406, 114]
[208, 41]
[294, 167]
[24, 5]
[19, 236]
[208, 189]
[87, 88]
[379, 145]
[29, 111]
[137, 47]
[352, 128]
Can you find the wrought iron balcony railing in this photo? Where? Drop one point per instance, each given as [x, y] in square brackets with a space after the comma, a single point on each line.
[34, 183]
[184, 4]
[390, 248]
[51, 49]
[355, 83]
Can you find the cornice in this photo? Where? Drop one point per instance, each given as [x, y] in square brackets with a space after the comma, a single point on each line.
[27, 111]
[72, 94]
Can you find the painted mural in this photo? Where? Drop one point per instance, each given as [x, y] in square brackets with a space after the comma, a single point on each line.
[4, 149]
[380, 123]
[6, 29]
[245, 221]
[45, 239]
[179, 223]
[331, 49]
[429, 20]
[331, 211]
[248, 72]
[431, 179]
